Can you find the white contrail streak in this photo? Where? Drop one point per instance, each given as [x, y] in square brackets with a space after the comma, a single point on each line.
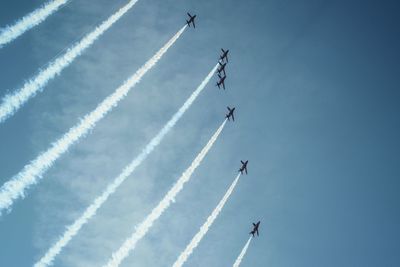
[9, 33]
[141, 229]
[74, 228]
[34, 171]
[241, 255]
[204, 228]
[12, 102]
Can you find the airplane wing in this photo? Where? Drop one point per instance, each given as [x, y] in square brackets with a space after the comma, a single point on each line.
[189, 14]
[233, 117]
[245, 169]
[194, 25]
[223, 85]
[257, 232]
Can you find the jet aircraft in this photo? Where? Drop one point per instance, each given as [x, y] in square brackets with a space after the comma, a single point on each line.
[224, 55]
[230, 114]
[191, 20]
[222, 68]
[244, 167]
[221, 81]
[255, 229]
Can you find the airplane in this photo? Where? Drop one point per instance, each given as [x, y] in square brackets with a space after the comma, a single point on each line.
[221, 68]
[221, 81]
[224, 55]
[191, 20]
[230, 114]
[244, 166]
[255, 229]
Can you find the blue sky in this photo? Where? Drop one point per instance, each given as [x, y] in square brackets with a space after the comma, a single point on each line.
[315, 84]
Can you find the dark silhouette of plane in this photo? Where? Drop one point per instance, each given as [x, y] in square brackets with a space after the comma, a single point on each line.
[224, 55]
[244, 166]
[221, 81]
[230, 114]
[221, 68]
[191, 20]
[255, 229]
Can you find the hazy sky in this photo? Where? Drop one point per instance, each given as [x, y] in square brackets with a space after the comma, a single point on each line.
[316, 86]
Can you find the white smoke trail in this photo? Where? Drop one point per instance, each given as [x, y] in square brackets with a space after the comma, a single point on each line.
[74, 228]
[141, 229]
[204, 228]
[9, 33]
[33, 171]
[12, 102]
[242, 253]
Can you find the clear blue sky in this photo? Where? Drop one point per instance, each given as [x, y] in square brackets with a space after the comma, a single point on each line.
[316, 86]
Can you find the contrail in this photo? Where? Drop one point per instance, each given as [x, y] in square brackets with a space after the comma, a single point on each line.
[241, 255]
[9, 33]
[74, 228]
[204, 228]
[12, 102]
[34, 171]
[141, 229]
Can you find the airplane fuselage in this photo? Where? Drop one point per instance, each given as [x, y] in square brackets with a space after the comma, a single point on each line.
[222, 69]
[255, 228]
[191, 20]
[224, 55]
[230, 113]
[221, 81]
[244, 167]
